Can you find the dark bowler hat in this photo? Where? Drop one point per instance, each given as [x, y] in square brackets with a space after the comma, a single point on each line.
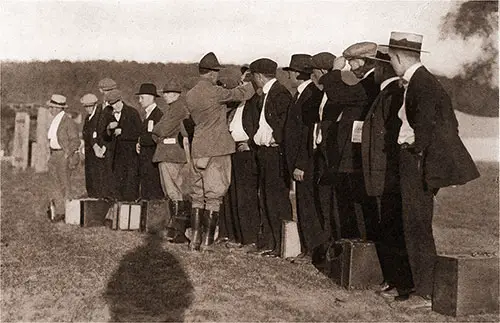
[406, 41]
[360, 50]
[113, 96]
[264, 66]
[210, 62]
[382, 57]
[300, 63]
[172, 86]
[323, 61]
[148, 88]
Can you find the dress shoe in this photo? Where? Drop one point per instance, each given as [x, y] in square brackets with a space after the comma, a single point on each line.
[249, 248]
[385, 287]
[418, 302]
[389, 294]
[233, 245]
[271, 254]
[221, 240]
[302, 258]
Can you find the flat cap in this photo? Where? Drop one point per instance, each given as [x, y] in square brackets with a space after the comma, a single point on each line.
[264, 66]
[113, 96]
[172, 86]
[300, 63]
[210, 62]
[360, 50]
[323, 61]
[88, 100]
[107, 84]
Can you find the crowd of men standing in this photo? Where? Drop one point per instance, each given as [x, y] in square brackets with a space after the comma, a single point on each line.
[366, 151]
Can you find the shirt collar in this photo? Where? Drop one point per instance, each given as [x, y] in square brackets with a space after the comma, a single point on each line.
[384, 84]
[59, 115]
[268, 85]
[411, 70]
[368, 73]
[150, 108]
[303, 85]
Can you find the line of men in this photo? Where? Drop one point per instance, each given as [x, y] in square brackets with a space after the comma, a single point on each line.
[367, 150]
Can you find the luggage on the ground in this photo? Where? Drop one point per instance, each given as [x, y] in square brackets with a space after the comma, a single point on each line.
[87, 212]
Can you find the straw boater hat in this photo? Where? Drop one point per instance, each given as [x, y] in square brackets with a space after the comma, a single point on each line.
[57, 101]
[405, 41]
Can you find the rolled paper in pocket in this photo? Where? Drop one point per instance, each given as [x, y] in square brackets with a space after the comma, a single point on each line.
[201, 163]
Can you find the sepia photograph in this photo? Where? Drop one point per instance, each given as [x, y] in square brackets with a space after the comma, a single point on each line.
[249, 161]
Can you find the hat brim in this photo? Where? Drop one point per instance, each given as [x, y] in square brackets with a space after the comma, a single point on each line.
[171, 91]
[53, 105]
[379, 59]
[153, 94]
[296, 70]
[404, 48]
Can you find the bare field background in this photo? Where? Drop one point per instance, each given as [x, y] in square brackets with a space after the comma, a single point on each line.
[58, 272]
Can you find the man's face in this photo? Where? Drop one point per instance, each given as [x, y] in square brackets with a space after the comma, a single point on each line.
[89, 108]
[257, 79]
[117, 106]
[54, 111]
[170, 97]
[357, 67]
[315, 76]
[292, 76]
[145, 100]
[396, 63]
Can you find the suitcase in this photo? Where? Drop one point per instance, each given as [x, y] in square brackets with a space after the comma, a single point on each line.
[465, 285]
[127, 216]
[290, 240]
[154, 215]
[353, 264]
[86, 212]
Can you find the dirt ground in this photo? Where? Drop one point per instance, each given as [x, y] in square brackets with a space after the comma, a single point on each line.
[58, 272]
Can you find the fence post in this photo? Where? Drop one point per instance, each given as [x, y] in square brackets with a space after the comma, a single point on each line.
[21, 140]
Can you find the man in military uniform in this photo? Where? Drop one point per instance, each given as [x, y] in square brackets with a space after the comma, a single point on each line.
[212, 147]
[64, 142]
[149, 175]
[169, 134]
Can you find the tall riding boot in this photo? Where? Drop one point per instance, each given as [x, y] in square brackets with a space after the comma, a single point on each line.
[181, 217]
[210, 224]
[196, 227]
[173, 206]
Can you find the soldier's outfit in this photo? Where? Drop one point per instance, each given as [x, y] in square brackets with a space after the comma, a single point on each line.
[211, 151]
[64, 142]
[168, 134]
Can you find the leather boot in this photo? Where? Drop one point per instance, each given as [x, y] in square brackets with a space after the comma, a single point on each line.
[180, 216]
[210, 224]
[196, 228]
[169, 233]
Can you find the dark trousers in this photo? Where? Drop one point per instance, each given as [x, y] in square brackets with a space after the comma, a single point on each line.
[274, 186]
[149, 175]
[325, 199]
[94, 175]
[417, 222]
[241, 218]
[391, 247]
[309, 214]
[125, 173]
[358, 212]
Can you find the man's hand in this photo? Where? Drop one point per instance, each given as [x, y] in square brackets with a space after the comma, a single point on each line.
[243, 147]
[339, 63]
[138, 148]
[298, 175]
[118, 131]
[112, 125]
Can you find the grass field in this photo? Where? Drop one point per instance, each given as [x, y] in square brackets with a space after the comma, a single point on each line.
[58, 272]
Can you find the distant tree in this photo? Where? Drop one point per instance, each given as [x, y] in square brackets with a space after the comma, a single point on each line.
[477, 19]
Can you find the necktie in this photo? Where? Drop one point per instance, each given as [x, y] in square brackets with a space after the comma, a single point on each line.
[296, 96]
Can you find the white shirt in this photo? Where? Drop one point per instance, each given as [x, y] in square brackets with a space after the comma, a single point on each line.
[150, 109]
[317, 136]
[93, 112]
[117, 114]
[368, 73]
[302, 86]
[384, 84]
[406, 133]
[52, 134]
[264, 135]
[236, 125]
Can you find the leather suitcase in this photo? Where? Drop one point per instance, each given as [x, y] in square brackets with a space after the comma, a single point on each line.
[127, 216]
[154, 215]
[465, 285]
[290, 240]
[354, 264]
[86, 212]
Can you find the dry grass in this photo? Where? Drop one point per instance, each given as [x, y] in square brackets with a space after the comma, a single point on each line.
[57, 272]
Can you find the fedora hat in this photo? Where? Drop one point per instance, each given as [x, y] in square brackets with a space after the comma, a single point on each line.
[148, 88]
[360, 50]
[210, 62]
[57, 101]
[301, 63]
[405, 41]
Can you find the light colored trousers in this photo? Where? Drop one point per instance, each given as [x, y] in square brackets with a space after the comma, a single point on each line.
[171, 180]
[60, 180]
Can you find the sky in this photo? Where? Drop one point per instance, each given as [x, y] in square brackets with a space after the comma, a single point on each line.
[237, 31]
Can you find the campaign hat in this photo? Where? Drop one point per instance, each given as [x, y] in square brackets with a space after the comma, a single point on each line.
[210, 62]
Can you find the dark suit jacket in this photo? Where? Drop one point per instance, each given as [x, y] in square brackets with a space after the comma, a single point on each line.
[250, 118]
[278, 103]
[166, 133]
[372, 89]
[90, 131]
[206, 104]
[145, 138]
[380, 149]
[446, 161]
[302, 116]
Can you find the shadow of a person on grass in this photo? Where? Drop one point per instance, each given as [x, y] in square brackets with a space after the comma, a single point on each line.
[149, 285]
